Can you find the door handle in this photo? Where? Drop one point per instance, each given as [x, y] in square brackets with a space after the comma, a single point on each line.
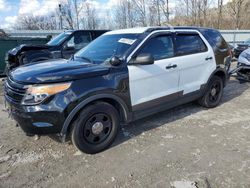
[209, 58]
[171, 66]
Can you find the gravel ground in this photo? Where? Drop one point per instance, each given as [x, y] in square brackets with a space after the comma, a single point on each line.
[188, 146]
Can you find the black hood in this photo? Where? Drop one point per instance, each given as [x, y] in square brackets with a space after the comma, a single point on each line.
[26, 47]
[56, 71]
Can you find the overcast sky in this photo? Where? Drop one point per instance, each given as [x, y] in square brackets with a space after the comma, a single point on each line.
[10, 9]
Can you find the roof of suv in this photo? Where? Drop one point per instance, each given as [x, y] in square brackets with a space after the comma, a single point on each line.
[139, 30]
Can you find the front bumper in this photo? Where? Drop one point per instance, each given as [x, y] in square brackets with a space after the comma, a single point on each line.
[36, 119]
[45, 118]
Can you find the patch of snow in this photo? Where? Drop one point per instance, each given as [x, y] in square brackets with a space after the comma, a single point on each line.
[4, 158]
[184, 184]
[5, 175]
[78, 153]
[168, 136]
[24, 158]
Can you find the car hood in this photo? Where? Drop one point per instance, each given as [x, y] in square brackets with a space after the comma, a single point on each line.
[26, 47]
[53, 71]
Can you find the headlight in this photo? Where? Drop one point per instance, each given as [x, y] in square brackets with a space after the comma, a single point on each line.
[37, 94]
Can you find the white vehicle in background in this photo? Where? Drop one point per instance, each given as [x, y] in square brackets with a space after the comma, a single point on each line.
[243, 68]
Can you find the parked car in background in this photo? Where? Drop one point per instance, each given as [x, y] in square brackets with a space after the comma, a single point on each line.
[62, 46]
[243, 67]
[241, 47]
[120, 77]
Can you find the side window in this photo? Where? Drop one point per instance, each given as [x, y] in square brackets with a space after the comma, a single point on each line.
[215, 39]
[189, 44]
[160, 47]
[79, 40]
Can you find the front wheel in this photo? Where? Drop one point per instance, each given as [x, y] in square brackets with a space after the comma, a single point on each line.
[95, 128]
[213, 94]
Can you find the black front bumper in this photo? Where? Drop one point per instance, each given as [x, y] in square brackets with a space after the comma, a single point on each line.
[34, 120]
[45, 118]
[37, 119]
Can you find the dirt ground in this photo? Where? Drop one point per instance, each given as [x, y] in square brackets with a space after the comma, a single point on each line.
[188, 146]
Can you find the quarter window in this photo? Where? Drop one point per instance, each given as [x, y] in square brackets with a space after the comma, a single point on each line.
[189, 44]
[160, 47]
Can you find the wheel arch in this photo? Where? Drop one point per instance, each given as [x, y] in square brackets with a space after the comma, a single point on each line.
[222, 73]
[115, 101]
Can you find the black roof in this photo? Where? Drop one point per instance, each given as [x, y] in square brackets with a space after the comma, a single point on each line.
[99, 30]
[151, 29]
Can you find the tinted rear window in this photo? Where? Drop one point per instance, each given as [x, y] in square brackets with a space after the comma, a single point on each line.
[214, 38]
[189, 44]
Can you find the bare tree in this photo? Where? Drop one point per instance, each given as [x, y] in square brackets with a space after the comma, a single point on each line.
[120, 14]
[220, 8]
[67, 14]
[130, 13]
[164, 6]
[125, 14]
[156, 4]
[30, 22]
[89, 18]
[140, 6]
[152, 19]
[78, 6]
[236, 7]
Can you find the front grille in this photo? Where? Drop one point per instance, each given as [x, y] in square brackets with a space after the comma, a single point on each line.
[14, 91]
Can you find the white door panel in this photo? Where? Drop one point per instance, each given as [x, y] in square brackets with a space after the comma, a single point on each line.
[148, 82]
[195, 71]
[196, 68]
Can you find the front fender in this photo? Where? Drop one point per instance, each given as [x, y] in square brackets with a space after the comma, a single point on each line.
[84, 103]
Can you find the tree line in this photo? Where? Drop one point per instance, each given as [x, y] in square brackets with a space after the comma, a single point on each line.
[82, 14]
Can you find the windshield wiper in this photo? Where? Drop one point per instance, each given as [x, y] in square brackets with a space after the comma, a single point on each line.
[84, 58]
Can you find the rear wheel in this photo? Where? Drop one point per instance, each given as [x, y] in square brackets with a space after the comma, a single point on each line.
[95, 128]
[213, 94]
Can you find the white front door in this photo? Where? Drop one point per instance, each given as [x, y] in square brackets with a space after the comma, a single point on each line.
[158, 80]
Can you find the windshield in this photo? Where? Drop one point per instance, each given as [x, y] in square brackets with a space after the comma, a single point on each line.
[107, 46]
[59, 38]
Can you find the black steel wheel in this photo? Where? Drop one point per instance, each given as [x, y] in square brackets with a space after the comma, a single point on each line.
[213, 93]
[95, 128]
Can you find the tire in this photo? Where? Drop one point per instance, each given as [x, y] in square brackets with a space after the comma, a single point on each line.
[213, 93]
[95, 128]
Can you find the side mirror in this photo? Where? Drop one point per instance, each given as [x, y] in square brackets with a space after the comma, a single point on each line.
[115, 61]
[144, 59]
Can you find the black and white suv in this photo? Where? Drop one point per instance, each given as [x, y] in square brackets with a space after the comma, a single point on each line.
[121, 76]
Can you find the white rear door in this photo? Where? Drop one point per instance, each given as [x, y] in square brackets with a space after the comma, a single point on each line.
[195, 59]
